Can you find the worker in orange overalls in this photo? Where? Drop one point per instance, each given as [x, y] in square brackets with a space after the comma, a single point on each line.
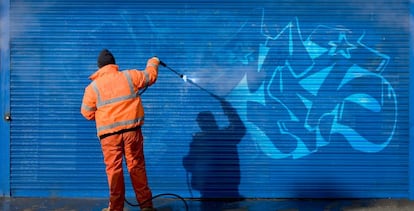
[112, 99]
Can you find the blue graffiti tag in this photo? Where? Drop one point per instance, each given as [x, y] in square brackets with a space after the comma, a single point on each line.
[316, 88]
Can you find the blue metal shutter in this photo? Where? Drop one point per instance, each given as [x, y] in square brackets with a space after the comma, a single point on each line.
[320, 86]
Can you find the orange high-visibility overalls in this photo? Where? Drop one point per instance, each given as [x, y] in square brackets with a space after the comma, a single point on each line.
[112, 100]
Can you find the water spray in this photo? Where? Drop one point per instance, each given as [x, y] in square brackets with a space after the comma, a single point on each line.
[186, 79]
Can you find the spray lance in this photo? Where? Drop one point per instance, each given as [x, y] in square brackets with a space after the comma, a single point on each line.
[186, 79]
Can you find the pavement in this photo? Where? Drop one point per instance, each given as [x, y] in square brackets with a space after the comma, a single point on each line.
[175, 204]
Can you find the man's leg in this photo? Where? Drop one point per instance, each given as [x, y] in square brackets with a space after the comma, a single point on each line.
[134, 155]
[112, 148]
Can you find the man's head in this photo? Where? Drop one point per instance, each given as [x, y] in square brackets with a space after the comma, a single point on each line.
[105, 57]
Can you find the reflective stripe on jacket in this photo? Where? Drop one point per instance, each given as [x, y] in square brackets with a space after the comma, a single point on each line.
[112, 98]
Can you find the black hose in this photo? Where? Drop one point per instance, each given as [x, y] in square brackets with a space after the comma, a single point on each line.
[156, 196]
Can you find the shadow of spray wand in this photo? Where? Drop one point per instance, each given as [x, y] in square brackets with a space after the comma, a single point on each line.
[186, 79]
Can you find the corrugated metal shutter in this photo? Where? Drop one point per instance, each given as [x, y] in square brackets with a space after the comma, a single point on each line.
[320, 86]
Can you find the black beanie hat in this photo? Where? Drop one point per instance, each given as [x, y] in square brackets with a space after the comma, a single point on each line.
[105, 58]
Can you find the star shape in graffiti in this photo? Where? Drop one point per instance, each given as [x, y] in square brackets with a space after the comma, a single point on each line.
[341, 46]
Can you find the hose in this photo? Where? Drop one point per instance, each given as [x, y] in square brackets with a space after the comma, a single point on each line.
[156, 196]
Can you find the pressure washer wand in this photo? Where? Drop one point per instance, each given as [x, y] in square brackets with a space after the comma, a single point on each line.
[166, 66]
[184, 77]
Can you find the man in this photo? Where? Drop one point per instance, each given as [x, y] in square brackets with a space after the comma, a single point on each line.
[112, 100]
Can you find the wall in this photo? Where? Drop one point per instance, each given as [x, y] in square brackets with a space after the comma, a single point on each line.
[320, 89]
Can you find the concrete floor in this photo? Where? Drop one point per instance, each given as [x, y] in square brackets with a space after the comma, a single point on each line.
[173, 204]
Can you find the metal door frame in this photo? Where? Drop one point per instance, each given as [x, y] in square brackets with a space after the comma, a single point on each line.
[5, 98]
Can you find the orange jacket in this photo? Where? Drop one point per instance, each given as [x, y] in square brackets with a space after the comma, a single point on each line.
[112, 98]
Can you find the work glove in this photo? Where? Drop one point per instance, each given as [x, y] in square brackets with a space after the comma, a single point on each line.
[161, 62]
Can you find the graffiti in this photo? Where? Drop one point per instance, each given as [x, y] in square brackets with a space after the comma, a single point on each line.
[315, 88]
[298, 93]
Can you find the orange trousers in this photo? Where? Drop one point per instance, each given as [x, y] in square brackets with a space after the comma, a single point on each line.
[114, 148]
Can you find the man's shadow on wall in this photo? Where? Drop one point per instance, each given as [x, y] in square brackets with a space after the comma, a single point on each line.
[213, 159]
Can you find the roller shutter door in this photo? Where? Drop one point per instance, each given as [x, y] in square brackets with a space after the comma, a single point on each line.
[320, 87]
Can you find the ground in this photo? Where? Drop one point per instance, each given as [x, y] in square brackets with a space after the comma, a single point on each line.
[173, 204]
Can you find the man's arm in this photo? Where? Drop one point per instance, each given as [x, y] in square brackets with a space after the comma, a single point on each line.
[148, 77]
[88, 107]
